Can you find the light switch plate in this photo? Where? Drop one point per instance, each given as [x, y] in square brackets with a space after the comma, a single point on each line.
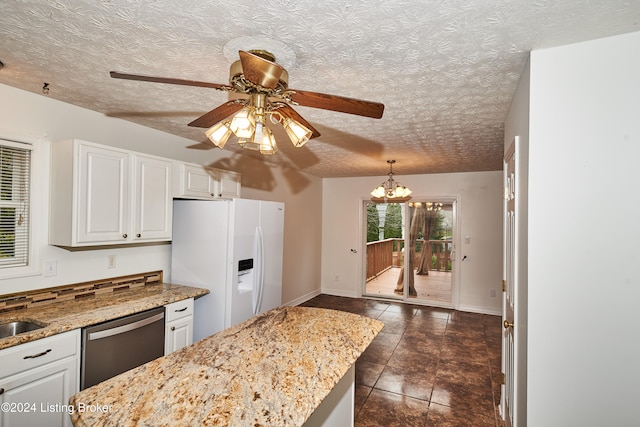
[50, 268]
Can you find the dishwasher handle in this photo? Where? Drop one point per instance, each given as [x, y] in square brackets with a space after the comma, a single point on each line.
[125, 328]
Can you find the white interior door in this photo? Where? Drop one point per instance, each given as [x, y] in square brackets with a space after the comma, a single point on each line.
[513, 401]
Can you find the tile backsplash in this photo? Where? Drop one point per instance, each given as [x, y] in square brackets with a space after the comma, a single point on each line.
[40, 297]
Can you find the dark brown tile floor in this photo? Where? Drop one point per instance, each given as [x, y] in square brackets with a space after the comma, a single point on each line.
[428, 367]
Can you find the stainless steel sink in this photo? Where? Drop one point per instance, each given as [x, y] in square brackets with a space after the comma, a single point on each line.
[21, 326]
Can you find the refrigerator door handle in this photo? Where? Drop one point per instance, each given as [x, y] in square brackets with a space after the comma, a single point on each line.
[259, 277]
[262, 263]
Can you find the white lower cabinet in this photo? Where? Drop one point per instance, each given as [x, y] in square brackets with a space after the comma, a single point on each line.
[178, 330]
[38, 378]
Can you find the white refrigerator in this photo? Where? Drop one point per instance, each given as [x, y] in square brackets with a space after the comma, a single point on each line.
[234, 249]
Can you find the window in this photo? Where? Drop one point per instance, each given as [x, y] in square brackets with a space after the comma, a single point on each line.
[15, 180]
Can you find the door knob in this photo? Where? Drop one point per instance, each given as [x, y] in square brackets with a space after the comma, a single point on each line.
[508, 324]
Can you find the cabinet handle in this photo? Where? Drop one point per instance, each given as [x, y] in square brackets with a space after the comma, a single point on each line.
[138, 235]
[181, 310]
[124, 235]
[212, 194]
[1, 391]
[33, 356]
[173, 328]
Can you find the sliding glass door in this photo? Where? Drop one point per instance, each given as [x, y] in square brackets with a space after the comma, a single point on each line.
[385, 249]
[410, 250]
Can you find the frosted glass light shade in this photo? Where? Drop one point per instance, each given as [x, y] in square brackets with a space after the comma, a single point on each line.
[243, 123]
[268, 144]
[219, 134]
[298, 134]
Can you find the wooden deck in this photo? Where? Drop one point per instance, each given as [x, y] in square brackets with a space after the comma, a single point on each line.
[434, 287]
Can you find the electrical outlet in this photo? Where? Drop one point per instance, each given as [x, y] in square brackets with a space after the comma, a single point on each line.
[111, 261]
[50, 268]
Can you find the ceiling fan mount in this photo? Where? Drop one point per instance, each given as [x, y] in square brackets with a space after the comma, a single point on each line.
[264, 54]
[274, 80]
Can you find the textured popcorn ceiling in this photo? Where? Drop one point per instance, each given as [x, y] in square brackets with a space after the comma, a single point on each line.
[445, 70]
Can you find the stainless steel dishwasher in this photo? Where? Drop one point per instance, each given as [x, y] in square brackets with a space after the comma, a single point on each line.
[113, 347]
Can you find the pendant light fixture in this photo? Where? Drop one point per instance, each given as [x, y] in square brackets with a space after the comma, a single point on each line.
[390, 191]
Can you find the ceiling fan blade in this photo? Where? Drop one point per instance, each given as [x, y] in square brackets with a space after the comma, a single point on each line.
[337, 103]
[260, 71]
[217, 114]
[286, 111]
[116, 75]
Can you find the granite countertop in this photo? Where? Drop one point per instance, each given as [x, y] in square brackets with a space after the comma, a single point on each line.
[272, 370]
[68, 315]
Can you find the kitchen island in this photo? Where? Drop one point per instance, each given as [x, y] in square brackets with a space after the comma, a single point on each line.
[272, 370]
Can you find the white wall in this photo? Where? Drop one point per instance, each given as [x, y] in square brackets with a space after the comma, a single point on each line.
[584, 234]
[24, 115]
[480, 219]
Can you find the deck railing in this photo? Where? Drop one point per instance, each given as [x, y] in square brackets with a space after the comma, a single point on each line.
[380, 256]
[387, 253]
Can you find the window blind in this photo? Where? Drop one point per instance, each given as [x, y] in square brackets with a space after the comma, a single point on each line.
[15, 175]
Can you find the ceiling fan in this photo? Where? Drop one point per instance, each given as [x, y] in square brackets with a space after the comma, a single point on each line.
[263, 85]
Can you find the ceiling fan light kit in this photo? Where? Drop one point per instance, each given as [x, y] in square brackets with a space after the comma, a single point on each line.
[243, 123]
[298, 134]
[390, 191]
[265, 85]
[219, 134]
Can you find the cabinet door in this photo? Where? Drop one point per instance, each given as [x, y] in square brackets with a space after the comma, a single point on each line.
[178, 334]
[197, 182]
[152, 199]
[228, 184]
[40, 396]
[103, 195]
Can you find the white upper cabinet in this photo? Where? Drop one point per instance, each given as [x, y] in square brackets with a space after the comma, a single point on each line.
[228, 184]
[104, 195]
[198, 182]
[102, 213]
[195, 181]
[152, 204]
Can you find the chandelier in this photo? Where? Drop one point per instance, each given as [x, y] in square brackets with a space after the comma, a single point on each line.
[390, 191]
[249, 125]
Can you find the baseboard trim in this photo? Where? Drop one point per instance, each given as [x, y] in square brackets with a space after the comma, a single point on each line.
[338, 293]
[479, 310]
[303, 298]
